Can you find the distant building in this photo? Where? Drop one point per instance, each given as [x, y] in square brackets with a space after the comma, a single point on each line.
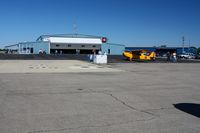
[163, 50]
[68, 44]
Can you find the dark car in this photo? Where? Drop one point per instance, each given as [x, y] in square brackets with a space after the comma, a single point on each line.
[197, 56]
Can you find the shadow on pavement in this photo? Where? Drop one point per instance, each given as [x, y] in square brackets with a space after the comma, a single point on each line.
[190, 108]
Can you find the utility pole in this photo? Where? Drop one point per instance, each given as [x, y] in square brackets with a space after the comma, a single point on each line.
[183, 44]
[189, 46]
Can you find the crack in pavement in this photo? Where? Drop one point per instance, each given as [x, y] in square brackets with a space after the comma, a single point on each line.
[123, 102]
[129, 106]
[163, 108]
[91, 126]
[104, 125]
[9, 93]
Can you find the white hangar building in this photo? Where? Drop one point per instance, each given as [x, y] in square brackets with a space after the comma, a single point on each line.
[68, 44]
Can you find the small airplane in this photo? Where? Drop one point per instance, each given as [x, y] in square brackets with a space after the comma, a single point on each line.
[140, 55]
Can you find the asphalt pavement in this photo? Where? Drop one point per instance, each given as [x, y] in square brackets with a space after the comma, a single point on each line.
[140, 98]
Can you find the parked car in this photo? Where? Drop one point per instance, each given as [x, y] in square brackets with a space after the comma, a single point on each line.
[187, 56]
[198, 56]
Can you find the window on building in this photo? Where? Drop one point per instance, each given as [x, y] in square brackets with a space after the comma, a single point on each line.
[94, 46]
[69, 45]
[83, 46]
[57, 45]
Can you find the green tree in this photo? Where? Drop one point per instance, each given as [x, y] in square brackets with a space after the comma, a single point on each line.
[198, 50]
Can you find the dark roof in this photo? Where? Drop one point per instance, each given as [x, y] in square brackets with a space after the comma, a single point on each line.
[116, 44]
[13, 45]
[157, 47]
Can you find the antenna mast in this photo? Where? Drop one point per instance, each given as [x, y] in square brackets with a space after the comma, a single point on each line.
[75, 29]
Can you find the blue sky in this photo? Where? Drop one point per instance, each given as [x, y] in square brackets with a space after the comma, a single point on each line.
[129, 22]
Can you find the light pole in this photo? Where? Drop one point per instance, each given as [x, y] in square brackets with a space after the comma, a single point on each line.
[189, 47]
[183, 44]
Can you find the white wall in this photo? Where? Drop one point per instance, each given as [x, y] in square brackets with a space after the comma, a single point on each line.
[73, 40]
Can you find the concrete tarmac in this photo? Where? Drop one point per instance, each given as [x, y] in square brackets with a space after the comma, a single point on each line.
[141, 98]
[52, 66]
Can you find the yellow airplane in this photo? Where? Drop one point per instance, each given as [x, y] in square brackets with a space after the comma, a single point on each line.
[140, 55]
